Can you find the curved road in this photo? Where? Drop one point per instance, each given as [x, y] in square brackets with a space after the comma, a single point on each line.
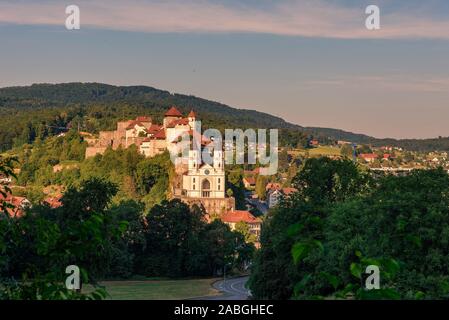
[232, 289]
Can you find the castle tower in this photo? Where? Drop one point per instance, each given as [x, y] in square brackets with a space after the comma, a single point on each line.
[171, 115]
[192, 117]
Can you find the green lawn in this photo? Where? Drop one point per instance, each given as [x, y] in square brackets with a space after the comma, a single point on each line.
[159, 289]
[321, 150]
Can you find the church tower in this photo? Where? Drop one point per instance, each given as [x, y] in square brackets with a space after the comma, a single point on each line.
[218, 161]
[191, 117]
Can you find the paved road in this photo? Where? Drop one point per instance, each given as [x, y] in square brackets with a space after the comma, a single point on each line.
[262, 207]
[231, 289]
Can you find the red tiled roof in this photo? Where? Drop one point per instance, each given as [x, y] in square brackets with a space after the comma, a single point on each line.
[204, 140]
[173, 112]
[273, 186]
[160, 135]
[17, 202]
[250, 180]
[191, 114]
[53, 202]
[133, 124]
[288, 191]
[238, 216]
[180, 122]
[368, 156]
[154, 128]
[143, 119]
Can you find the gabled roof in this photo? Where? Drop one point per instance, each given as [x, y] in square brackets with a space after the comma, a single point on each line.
[369, 156]
[19, 203]
[160, 135]
[288, 191]
[239, 216]
[54, 202]
[204, 140]
[273, 186]
[250, 180]
[191, 114]
[133, 124]
[154, 128]
[173, 112]
[179, 122]
[143, 119]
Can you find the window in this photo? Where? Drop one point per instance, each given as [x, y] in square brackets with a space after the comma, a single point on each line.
[206, 184]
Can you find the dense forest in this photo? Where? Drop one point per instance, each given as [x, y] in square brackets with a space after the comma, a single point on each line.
[318, 243]
[108, 239]
[41, 110]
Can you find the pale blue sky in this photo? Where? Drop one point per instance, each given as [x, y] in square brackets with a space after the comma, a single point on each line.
[311, 62]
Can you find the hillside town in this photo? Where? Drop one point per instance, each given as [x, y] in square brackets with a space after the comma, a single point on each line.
[197, 183]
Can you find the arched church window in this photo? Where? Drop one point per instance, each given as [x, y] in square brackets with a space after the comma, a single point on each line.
[206, 184]
[206, 188]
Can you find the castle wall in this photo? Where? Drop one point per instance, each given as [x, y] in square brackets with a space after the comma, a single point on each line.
[92, 151]
[212, 206]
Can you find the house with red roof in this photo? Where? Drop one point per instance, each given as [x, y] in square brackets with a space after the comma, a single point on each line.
[231, 218]
[274, 195]
[369, 157]
[19, 205]
[249, 182]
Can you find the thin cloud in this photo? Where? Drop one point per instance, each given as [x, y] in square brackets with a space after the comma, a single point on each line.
[304, 18]
[392, 83]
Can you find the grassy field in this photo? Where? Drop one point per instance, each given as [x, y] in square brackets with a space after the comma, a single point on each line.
[321, 150]
[159, 289]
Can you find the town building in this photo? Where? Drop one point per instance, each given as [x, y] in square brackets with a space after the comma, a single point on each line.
[275, 194]
[18, 205]
[249, 182]
[231, 218]
[369, 157]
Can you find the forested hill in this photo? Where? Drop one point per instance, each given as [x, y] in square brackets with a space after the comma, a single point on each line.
[42, 109]
[41, 95]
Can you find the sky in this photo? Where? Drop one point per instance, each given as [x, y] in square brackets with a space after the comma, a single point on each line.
[313, 63]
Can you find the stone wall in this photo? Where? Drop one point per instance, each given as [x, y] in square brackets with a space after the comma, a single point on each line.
[92, 151]
[211, 205]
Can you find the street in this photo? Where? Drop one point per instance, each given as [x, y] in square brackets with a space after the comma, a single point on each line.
[232, 289]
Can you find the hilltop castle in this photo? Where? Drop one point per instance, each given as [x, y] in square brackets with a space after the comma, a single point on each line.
[196, 182]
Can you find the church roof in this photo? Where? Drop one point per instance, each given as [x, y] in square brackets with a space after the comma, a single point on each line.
[173, 112]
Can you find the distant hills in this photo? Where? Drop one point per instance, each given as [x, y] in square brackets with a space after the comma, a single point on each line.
[54, 105]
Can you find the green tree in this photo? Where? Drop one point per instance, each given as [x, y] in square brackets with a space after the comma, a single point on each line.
[347, 151]
[243, 228]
